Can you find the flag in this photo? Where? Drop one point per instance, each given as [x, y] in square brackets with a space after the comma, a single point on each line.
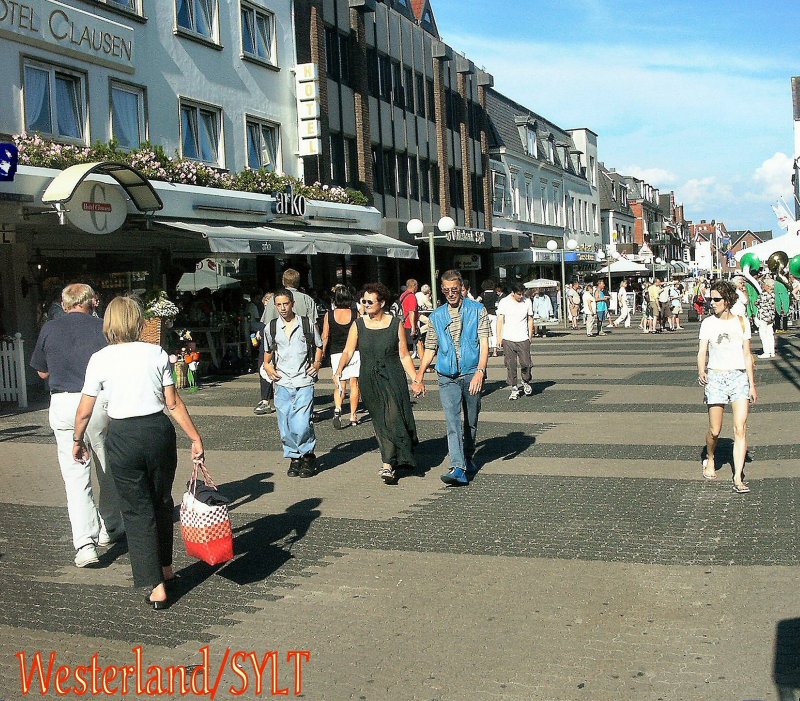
[782, 213]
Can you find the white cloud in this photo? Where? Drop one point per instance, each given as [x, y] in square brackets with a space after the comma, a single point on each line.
[704, 194]
[657, 177]
[774, 178]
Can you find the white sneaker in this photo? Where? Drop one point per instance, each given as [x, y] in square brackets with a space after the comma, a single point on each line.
[106, 538]
[762, 355]
[87, 555]
[514, 394]
[527, 389]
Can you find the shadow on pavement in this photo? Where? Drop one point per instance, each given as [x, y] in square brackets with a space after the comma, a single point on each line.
[507, 448]
[724, 454]
[248, 489]
[10, 434]
[786, 666]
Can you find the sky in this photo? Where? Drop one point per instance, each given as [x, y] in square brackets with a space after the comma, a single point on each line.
[692, 96]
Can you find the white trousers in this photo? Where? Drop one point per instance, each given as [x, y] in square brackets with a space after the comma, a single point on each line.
[492, 331]
[767, 335]
[625, 315]
[84, 517]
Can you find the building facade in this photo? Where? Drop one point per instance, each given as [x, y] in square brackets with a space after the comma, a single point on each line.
[617, 220]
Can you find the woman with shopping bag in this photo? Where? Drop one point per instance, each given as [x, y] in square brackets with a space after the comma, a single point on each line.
[141, 444]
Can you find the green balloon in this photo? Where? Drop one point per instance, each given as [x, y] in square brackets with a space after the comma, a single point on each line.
[777, 261]
[750, 260]
[794, 266]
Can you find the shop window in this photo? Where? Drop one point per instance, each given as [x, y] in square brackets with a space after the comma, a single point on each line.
[55, 101]
[258, 33]
[200, 129]
[198, 17]
[262, 145]
[499, 194]
[128, 123]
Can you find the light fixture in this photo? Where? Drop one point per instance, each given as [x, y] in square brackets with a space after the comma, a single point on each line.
[446, 225]
[552, 245]
[415, 227]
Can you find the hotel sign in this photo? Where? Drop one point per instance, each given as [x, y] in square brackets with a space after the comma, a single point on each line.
[468, 238]
[308, 109]
[67, 30]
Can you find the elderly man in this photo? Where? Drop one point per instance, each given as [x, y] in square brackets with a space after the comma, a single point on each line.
[61, 355]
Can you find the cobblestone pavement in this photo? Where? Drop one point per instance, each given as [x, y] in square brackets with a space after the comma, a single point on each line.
[587, 560]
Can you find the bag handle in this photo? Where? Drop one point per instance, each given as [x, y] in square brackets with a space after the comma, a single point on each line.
[201, 466]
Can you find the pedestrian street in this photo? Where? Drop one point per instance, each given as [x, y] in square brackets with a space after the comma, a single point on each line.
[588, 559]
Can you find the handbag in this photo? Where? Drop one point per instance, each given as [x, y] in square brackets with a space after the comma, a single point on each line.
[206, 528]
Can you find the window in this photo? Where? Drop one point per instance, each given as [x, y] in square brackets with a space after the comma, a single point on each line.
[398, 97]
[431, 101]
[529, 201]
[200, 133]
[263, 145]
[124, 4]
[499, 194]
[198, 16]
[514, 196]
[402, 175]
[377, 170]
[373, 75]
[351, 161]
[424, 179]
[413, 178]
[332, 53]
[744, 245]
[128, 125]
[385, 74]
[435, 183]
[344, 59]
[411, 106]
[258, 33]
[338, 169]
[389, 173]
[55, 101]
[532, 146]
[420, 81]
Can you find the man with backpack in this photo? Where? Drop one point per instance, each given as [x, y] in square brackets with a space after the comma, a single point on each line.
[292, 359]
[406, 308]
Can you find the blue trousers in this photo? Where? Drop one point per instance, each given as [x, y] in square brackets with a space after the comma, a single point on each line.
[294, 407]
[461, 411]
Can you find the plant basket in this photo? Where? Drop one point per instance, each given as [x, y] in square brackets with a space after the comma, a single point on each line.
[155, 331]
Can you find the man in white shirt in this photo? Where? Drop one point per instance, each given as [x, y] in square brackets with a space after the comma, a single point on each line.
[590, 310]
[514, 333]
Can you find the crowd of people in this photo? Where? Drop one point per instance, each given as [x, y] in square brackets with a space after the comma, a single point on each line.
[111, 394]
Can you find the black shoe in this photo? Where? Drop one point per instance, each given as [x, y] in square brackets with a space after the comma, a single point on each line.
[308, 465]
[294, 468]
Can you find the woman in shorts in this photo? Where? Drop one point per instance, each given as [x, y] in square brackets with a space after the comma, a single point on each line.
[725, 368]
[335, 330]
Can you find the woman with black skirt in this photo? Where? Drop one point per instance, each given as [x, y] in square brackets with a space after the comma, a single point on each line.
[140, 446]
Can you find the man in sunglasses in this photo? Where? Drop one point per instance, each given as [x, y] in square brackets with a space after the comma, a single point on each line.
[459, 331]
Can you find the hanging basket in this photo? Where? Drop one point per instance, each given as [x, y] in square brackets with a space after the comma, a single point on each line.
[155, 330]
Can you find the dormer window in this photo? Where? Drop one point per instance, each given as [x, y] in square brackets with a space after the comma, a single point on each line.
[532, 145]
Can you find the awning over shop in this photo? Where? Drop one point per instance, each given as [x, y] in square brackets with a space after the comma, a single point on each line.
[623, 266]
[271, 240]
[680, 268]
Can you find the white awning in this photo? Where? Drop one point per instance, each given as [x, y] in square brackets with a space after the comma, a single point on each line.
[270, 240]
[624, 266]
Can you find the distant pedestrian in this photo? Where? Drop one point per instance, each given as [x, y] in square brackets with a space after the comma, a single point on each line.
[515, 331]
[542, 312]
[304, 305]
[264, 405]
[725, 368]
[292, 359]
[654, 306]
[62, 352]
[623, 308]
[490, 299]
[136, 380]
[601, 298]
[381, 341]
[335, 330]
[459, 338]
[574, 302]
[765, 318]
[589, 309]
[676, 306]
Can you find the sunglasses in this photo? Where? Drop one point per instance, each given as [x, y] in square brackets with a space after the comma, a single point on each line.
[367, 302]
[715, 299]
[451, 290]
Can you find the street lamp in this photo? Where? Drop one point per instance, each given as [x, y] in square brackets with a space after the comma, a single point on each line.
[415, 227]
[552, 245]
[659, 261]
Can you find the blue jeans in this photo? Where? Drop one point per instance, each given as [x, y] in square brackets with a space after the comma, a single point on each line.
[294, 407]
[461, 411]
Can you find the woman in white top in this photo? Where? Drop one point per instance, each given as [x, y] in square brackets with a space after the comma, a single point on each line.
[623, 309]
[136, 379]
[725, 368]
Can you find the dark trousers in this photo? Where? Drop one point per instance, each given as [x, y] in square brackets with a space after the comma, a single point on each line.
[142, 457]
[267, 390]
[517, 352]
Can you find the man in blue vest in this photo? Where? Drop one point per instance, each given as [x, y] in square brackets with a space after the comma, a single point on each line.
[459, 331]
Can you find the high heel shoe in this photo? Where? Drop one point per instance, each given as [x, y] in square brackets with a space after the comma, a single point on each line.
[157, 605]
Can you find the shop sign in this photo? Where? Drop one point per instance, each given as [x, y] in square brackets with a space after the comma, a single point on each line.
[289, 204]
[468, 261]
[547, 257]
[587, 257]
[267, 247]
[97, 208]
[9, 157]
[65, 29]
[476, 237]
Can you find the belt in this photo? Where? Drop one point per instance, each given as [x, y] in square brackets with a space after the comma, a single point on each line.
[63, 391]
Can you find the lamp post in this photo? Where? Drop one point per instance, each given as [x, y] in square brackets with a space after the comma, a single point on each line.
[659, 261]
[552, 245]
[415, 227]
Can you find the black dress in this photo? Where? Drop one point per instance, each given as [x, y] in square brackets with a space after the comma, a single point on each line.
[385, 393]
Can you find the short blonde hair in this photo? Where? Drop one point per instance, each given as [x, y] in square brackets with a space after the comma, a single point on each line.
[76, 295]
[123, 321]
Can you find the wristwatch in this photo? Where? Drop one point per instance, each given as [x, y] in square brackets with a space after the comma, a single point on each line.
[76, 440]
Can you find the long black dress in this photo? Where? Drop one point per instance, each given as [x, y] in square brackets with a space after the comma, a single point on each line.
[385, 393]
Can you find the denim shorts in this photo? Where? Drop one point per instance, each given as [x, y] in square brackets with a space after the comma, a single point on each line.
[726, 386]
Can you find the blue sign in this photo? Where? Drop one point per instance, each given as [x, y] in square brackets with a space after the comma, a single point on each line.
[9, 157]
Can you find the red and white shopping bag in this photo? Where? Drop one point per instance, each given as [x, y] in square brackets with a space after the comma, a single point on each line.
[206, 528]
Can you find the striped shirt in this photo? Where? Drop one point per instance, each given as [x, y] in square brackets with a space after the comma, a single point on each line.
[484, 330]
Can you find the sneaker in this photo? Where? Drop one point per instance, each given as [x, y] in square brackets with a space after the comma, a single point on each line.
[86, 555]
[388, 474]
[471, 469]
[337, 420]
[109, 537]
[308, 465]
[527, 389]
[263, 407]
[294, 468]
[455, 478]
[514, 394]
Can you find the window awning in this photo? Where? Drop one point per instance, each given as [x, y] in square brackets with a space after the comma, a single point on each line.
[136, 186]
[268, 240]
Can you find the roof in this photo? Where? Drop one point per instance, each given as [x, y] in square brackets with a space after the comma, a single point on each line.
[607, 202]
[737, 236]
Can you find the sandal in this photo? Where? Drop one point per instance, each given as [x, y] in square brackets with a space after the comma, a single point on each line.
[705, 467]
[741, 488]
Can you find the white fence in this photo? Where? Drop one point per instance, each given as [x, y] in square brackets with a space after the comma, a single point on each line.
[12, 372]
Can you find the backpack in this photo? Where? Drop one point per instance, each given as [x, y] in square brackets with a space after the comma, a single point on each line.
[272, 347]
[397, 310]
